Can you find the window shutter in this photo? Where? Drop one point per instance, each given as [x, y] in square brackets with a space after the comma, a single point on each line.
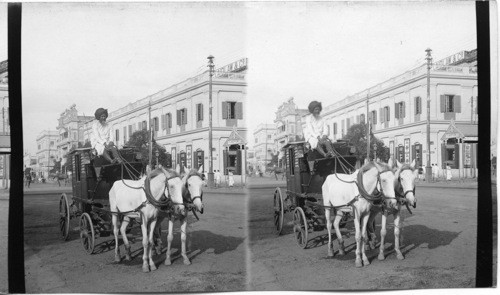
[416, 105]
[476, 104]
[201, 112]
[239, 161]
[185, 116]
[239, 110]
[457, 104]
[396, 110]
[457, 155]
[382, 117]
[374, 117]
[224, 110]
[388, 114]
[443, 103]
[403, 114]
[169, 121]
[139, 126]
[179, 117]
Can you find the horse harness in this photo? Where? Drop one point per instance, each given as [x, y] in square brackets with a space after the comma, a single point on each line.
[401, 194]
[189, 203]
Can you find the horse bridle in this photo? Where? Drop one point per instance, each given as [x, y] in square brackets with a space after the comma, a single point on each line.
[400, 194]
[191, 199]
[374, 196]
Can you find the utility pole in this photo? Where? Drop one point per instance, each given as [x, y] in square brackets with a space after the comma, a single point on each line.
[428, 168]
[150, 136]
[210, 143]
[368, 122]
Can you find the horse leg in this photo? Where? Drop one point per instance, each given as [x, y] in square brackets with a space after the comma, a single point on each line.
[329, 228]
[364, 236]
[372, 237]
[170, 237]
[123, 230]
[183, 240]
[114, 220]
[397, 233]
[336, 224]
[383, 232]
[152, 228]
[158, 236]
[145, 244]
[358, 239]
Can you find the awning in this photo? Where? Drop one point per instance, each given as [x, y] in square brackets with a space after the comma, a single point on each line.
[235, 138]
[462, 131]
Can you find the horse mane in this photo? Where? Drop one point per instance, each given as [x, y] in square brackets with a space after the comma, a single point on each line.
[192, 172]
[159, 171]
[370, 165]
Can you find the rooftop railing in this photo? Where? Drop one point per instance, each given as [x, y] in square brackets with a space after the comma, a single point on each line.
[422, 70]
[177, 87]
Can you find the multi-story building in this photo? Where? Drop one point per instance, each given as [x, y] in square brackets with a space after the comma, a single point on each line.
[180, 119]
[5, 126]
[396, 111]
[71, 130]
[288, 123]
[264, 146]
[47, 152]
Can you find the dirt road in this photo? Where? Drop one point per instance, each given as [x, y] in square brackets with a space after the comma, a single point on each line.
[216, 248]
[439, 244]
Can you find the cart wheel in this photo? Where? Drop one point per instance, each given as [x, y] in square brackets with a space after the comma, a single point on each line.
[300, 227]
[64, 217]
[278, 211]
[87, 234]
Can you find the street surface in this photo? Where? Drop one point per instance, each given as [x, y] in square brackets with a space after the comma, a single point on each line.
[439, 243]
[216, 247]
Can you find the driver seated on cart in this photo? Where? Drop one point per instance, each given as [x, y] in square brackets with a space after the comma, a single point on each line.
[101, 138]
[316, 134]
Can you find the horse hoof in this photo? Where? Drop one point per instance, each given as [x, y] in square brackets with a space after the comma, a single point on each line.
[152, 267]
[330, 254]
[118, 259]
[145, 268]
[358, 263]
[381, 257]
[168, 262]
[400, 257]
[187, 262]
[341, 252]
[366, 262]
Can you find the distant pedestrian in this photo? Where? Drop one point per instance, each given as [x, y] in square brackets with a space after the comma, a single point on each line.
[231, 179]
[434, 172]
[448, 172]
[217, 178]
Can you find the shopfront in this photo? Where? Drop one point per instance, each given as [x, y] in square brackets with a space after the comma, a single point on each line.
[459, 149]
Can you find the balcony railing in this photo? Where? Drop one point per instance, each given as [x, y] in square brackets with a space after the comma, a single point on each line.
[177, 87]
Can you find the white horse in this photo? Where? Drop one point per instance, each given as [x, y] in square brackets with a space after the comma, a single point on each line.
[129, 198]
[192, 194]
[404, 187]
[340, 190]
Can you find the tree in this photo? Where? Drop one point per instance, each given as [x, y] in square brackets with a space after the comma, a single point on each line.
[274, 161]
[356, 135]
[140, 140]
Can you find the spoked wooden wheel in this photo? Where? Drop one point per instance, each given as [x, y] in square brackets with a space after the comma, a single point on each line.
[64, 217]
[87, 234]
[300, 227]
[278, 211]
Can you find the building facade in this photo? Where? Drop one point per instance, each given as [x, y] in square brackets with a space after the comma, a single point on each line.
[47, 152]
[288, 123]
[5, 126]
[71, 130]
[264, 146]
[396, 111]
[180, 119]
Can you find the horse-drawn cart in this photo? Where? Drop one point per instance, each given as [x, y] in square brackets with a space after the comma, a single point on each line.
[92, 179]
[306, 172]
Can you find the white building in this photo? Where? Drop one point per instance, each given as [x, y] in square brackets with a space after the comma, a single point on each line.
[288, 123]
[264, 146]
[180, 119]
[46, 152]
[5, 126]
[397, 114]
[71, 130]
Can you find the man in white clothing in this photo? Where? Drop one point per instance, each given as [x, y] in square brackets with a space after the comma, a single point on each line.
[315, 132]
[101, 137]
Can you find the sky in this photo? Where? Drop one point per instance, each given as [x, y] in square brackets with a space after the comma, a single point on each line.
[327, 51]
[110, 54]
